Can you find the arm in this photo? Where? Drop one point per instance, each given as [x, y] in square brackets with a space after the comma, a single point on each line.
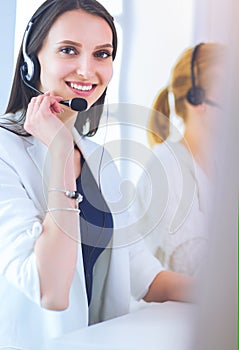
[56, 248]
[168, 285]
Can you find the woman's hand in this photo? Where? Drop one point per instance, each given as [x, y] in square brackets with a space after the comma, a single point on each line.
[42, 121]
[169, 285]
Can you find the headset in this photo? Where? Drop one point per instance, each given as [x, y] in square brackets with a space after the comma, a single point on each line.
[196, 94]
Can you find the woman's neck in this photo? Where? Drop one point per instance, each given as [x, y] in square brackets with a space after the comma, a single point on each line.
[200, 146]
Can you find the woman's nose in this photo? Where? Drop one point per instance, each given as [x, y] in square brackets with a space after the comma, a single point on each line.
[84, 66]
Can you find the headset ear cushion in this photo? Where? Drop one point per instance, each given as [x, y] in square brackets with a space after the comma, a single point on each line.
[196, 95]
[36, 70]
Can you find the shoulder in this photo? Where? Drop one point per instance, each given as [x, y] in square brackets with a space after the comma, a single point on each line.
[11, 142]
[171, 150]
[175, 157]
[13, 147]
[11, 127]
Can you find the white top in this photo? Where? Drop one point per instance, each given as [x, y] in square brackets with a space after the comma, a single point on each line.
[130, 267]
[173, 202]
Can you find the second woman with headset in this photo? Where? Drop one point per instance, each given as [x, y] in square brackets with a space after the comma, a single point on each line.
[186, 165]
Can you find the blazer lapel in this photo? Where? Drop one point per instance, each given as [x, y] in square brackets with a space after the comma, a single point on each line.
[91, 151]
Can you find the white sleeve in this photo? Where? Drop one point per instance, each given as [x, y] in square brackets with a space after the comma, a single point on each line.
[20, 225]
[143, 269]
[188, 257]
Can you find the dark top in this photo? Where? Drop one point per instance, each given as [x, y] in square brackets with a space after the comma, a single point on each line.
[96, 223]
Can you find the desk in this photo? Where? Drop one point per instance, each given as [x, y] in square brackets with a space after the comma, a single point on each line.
[165, 326]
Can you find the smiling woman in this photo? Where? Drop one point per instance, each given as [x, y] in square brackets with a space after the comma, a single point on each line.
[82, 63]
[24, 9]
[30, 68]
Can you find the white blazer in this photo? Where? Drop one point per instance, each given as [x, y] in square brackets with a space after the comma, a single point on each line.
[24, 169]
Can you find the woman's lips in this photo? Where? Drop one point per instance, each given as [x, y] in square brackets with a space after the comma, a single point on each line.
[81, 89]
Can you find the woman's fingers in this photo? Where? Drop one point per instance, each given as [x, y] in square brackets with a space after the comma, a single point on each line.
[51, 102]
[41, 117]
[43, 123]
[55, 106]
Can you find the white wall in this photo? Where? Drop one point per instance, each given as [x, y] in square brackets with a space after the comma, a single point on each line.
[24, 11]
[7, 30]
[156, 32]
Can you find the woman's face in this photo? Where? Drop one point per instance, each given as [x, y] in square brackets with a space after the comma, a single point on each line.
[76, 57]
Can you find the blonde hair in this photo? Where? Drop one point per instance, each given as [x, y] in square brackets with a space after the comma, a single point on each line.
[207, 56]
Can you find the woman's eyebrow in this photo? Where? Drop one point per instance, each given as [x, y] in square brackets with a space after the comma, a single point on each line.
[69, 42]
[74, 43]
[104, 46]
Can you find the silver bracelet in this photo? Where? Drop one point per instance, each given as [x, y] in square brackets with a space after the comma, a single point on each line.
[63, 209]
[70, 194]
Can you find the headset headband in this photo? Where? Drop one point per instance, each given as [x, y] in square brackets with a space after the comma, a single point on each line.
[30, 68]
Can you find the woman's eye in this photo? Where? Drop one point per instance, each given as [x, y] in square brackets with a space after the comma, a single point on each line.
[68, 51]
[103, 54]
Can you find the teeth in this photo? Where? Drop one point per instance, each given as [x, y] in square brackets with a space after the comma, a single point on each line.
[81, 87]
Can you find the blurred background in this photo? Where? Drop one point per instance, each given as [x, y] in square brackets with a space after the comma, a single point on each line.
[152, 34]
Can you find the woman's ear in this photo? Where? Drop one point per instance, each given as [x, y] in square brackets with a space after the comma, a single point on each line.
[199, 109]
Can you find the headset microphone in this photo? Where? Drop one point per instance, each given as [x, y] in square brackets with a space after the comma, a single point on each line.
[77, 104]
